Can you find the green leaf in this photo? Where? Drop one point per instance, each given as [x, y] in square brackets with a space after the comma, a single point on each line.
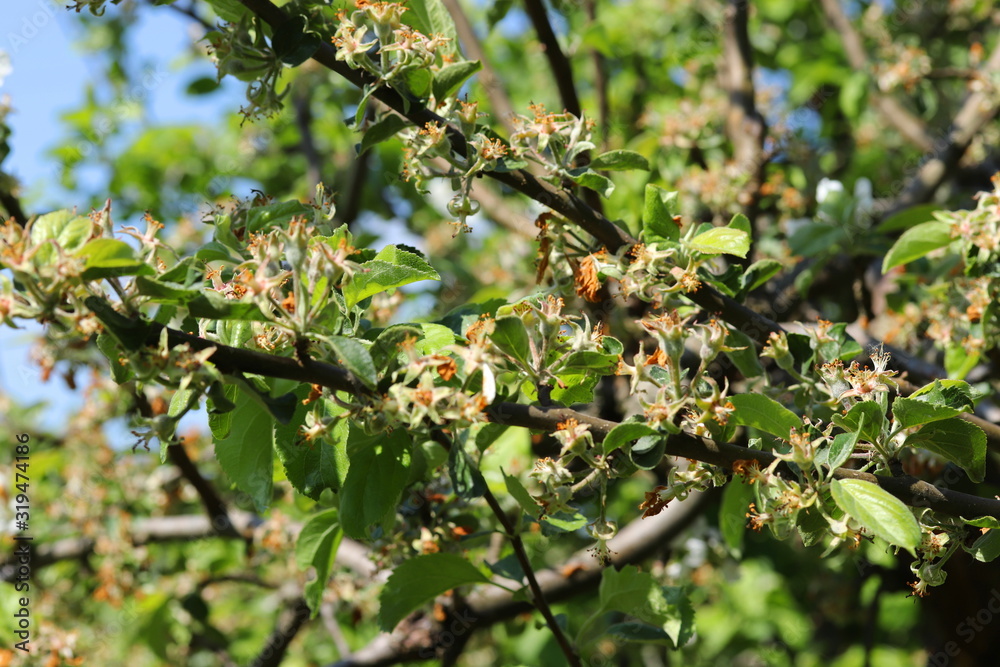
[907, 218]
[957, 360]
[956, 394]
[214, 251]
[109, 348]
[68, 230]
[434, 338]
[281, 408]
[131, 333]
[386, 350]
[917, 242]
[853, 93]
[983, 522]
[213, 306]
[619, 160]
[230, 11]
[431, 17]
[736, 498]
[625, 432]
[956, 440]
[390, 269]
[317, 547]
[511, 337]
[419, 82]
[746, 359]
[108, 258]
[720, 240]
[941, 399]
[182, 401]
[841, 346]
[578, 389]
[520, 494]
[839, 450]
[489, 434]
[292, 43]
[184, 273]
[878, 511]
[355, 357]
[374, 483]
[221, 423]
[909, 412]
[279, 214]
[419, 580]
[313, 466]
[591, 179]
[816, 239]
[563, 522]
[245, 454]
[741, 223]
[218, 398]
[450, 78]
[764, 414]
[639, 633]
[648, 451]
[466, 479]
[987, 547]
[866, 418]
[759, 273]
[203, 85]
[680, 615]
[383, 130]
[589, 361]
[658, 213]
[638, 594]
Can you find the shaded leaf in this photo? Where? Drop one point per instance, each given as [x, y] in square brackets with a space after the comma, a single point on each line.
[625, 432]
[619, 160]
[378, 472]
[419, 580]
[245, 454]
[956, 440]
[316, 547]
[383, 130]
[450, 78]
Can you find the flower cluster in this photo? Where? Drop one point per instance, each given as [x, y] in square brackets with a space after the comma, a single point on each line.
[701, 403]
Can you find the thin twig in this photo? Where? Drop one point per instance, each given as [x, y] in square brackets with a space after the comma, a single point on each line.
[290, 621]
[214, 505]
[537, 595]
[562, 71]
